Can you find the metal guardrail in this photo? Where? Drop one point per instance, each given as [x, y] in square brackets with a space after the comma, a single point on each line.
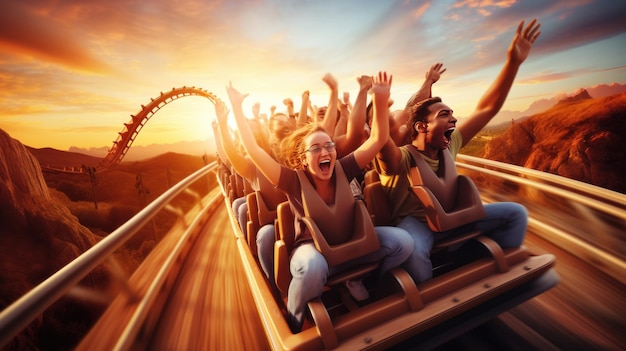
[18, 315]
[612, 202]
[23, 311]
[586, 220]
[589, 190]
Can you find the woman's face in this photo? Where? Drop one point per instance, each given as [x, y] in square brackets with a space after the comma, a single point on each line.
[320, 155]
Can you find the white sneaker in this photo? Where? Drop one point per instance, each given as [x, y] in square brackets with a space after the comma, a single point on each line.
[357, 290]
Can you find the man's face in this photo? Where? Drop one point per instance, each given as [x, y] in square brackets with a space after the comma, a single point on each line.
[280, 127]
[441, 124]
[321, 113]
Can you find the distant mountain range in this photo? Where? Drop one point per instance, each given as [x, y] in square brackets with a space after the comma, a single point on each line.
[138, 153]
[542, 105]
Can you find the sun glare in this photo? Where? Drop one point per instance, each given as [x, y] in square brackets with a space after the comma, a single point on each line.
[184, 119]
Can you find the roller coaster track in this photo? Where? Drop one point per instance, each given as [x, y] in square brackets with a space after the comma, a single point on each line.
[131, 129]
[603, 255]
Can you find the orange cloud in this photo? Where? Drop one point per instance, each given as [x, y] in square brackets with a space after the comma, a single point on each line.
[419, 12]
[485, 3]
[545, 77]
[31, 35]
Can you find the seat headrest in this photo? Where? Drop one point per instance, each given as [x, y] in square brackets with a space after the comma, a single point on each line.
[334, 221]
[443, 183]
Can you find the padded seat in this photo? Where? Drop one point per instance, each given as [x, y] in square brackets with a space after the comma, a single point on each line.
[341, 232]
[262, 208]
[376, 200]
[283, 246]
[450, 200]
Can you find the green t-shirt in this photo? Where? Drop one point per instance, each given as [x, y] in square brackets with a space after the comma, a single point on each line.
[402, 200]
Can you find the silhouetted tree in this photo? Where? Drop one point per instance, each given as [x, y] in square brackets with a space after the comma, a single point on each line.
[142, 190]
[94, 181]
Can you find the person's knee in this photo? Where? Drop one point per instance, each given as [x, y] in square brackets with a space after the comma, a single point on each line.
[243, 210]
[518, 216]
[266, 236]
[521, 212]
[404, 241]
[313, 267]
[237, 203]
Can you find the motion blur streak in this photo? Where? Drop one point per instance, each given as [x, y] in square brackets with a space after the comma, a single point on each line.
[211, 307]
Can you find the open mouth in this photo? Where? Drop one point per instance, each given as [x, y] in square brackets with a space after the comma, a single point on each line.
[448, 134]
[325, 165]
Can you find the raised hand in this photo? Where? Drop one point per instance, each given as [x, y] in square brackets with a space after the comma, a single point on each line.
[330, 81]
[523, 41]
[221, 111]
[236, 98]
[382, 84]
[365, 82]
[256, 109]
[435, 72]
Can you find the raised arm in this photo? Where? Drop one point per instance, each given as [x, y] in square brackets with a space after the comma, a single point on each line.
[242, 165]
[303, 117]
[346, 100]
[290, 109]
[345, 109]
[425, 91]
[263, 161]
[356, 122]
[492, 100]
[218, 144]
[341, 128]
[256, 110]
[379, 134]
[330, 118]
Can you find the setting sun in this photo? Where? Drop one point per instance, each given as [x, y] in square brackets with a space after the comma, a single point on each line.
[73, 80]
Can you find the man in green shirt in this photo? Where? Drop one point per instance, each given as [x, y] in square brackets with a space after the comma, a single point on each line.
[432, 128]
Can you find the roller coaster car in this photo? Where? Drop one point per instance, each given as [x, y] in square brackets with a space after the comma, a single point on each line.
[462, 294]
[262, 207]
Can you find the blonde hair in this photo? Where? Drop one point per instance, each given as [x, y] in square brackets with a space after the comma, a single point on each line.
[292, 148]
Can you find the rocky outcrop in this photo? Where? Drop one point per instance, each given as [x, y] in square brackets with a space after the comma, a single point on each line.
[38, 235]
[579, 138]
[580, 95]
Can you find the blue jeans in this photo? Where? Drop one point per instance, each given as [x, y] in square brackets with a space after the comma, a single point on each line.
[265, 238]
[505, 223]
[240, 209]
[309, 269]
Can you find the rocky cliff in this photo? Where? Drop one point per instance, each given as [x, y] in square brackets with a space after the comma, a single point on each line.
[38, 235]
[580, 138]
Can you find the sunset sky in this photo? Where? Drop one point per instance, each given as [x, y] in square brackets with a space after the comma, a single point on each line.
[73, 71]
